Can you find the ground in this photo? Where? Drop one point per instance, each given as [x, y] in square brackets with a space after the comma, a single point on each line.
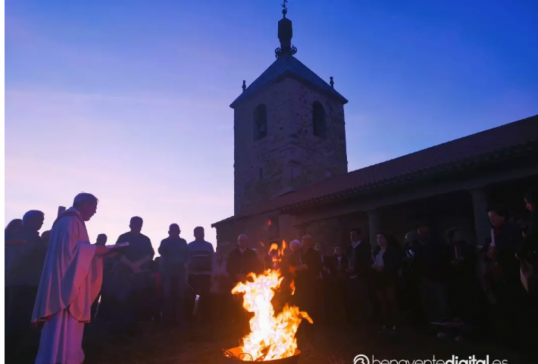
[340, 346]
[336, 346]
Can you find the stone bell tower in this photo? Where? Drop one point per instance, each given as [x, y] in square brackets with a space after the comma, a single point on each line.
[289, 129]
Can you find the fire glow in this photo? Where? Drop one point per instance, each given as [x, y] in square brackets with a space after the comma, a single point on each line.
[271, 337]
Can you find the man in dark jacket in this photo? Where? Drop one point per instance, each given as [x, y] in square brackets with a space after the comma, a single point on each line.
[504, 274]
[175, 255]
[241, 262]
[432, 264]
[358, 302]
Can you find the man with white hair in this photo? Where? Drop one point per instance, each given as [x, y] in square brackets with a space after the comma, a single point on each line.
[295, 245]
[307, 264]
[241, 262]
[71, 280]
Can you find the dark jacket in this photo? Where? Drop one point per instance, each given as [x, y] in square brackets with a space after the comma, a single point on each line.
[463, 257]
[529, 247]
[392, 259]
[337, 267]
[508, 239]
[312, 259]
[431, 259]
[175, 254]
[362, 256]
[242, 263]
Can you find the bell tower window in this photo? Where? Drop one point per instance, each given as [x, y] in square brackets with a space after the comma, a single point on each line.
[260, 122]
[318, 120]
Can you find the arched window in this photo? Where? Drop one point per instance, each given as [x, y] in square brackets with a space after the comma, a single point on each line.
[260, 122]
[318, 120]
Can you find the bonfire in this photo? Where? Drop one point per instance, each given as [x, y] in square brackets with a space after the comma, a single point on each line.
[271, 337]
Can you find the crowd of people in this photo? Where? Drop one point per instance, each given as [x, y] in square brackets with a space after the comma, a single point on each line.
[53, 278]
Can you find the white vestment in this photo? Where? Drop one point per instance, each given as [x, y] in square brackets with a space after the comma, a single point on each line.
[71, 280]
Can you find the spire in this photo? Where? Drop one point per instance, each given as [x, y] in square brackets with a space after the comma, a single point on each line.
[285, 33]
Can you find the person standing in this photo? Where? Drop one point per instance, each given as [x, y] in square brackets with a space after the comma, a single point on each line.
[359, 305]
[135, 297]
[201, 269]
[24, 263]
[174, 257]
[71, 280]
[101, 240]
[387, 260]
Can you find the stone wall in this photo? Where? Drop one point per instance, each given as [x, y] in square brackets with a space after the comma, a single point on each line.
[263, 228]
[290, 156]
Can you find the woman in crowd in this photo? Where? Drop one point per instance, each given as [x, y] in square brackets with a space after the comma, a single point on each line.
[387, 261]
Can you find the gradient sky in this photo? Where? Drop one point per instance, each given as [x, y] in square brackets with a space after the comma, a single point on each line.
[129, 100]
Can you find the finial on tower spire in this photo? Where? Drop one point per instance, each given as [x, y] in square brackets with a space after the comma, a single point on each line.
[244, 87]
[332, 82]
[285, 33]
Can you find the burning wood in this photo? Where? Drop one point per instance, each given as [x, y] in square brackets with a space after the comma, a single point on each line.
[271, 337]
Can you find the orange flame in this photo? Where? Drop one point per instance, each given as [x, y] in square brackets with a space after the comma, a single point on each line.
[271, 337]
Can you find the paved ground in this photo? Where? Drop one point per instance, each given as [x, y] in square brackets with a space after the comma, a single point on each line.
[161, 346]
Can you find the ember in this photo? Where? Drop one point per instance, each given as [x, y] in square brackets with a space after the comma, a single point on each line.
[271, 338]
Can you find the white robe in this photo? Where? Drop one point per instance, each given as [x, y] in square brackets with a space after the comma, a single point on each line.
[71, 280]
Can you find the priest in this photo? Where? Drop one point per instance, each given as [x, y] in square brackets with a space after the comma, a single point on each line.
[71, 281]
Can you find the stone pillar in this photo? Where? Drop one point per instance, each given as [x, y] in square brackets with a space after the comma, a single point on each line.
[481, 220]
[373, 226]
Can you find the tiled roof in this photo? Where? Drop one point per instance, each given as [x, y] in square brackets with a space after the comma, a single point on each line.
[287, 65]
[507, 136]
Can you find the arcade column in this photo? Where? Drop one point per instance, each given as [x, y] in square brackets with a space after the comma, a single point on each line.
[373, 226]
[481, 220]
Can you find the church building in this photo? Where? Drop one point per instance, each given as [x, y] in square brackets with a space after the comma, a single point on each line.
[291, 172]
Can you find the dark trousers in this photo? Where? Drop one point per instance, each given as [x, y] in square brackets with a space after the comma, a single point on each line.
[221, 308]
[434, 297]
[201, 284]
[335, 300]
[358, 301]
[20, 306]
[174, 299]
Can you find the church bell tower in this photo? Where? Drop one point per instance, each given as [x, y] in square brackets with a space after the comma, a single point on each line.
[289, 129]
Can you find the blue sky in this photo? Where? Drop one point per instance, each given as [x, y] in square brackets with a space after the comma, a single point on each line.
[130, 100]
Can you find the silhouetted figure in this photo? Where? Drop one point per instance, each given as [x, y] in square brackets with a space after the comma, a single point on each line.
[503, 272]
[134, 295]
[24, 263]
[201, 269]
[387, 261]
[101, 240]
[241, 262]
[174, 257]
[359, 280]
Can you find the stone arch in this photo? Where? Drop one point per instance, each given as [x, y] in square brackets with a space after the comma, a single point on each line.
[260, 122]
[318, 120]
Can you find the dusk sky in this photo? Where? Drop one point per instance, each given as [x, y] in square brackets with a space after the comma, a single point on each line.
[129, 100]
